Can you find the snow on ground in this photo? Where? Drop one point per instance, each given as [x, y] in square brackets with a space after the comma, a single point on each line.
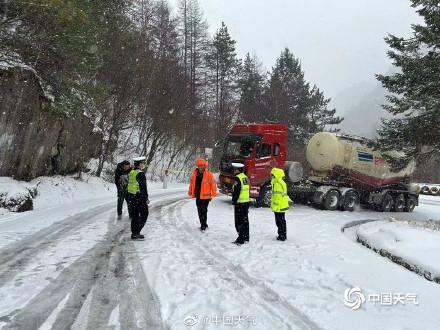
[73, 263]
[55, 259]
[58, 190]
[48, 264]
[204, 279]
[58, 198]
[418, 247]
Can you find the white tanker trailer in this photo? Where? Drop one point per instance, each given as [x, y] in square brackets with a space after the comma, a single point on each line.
[346, 172]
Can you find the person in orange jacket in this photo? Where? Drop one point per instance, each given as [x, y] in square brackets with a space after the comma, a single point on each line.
[203, 188]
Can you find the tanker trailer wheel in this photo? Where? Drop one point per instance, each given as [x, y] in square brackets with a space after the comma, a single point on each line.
[265, 196]
[351, 200]
[331, 201]
[410, 204]
[387, 203]
[399, 203]
[424, 190]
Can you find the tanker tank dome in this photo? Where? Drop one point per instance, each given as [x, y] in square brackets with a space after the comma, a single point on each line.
[323, 151]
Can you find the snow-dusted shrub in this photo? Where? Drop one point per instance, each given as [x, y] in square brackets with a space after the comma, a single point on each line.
[16, 196]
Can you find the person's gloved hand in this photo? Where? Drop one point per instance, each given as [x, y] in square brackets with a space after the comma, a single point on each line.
[148, 201]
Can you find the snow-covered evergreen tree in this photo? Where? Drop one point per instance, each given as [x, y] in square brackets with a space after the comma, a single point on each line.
[292, 101]
[414, 92]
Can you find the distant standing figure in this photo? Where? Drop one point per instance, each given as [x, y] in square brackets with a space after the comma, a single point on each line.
[165, 179]
[240, 200]
[279, 201]
[203, 188]
[138, 197]
[121, 181]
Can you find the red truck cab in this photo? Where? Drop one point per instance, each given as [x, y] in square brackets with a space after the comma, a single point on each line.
[260, 147]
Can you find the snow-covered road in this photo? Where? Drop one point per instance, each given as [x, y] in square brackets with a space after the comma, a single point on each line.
[77, 273]
[65, 268]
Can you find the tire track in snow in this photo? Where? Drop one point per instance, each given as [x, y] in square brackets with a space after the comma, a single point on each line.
[109, 275]
[15, 257]
[268, 299]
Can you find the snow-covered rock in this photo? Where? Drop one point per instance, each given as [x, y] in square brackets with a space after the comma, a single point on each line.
[16, 196]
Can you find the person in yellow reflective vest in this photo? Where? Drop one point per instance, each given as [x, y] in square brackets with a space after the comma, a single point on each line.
[138, 197]
[240, 200]
[279, 201]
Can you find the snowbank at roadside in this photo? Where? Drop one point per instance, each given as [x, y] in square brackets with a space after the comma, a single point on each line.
[413, 247]
[45, 192]
[58, 190]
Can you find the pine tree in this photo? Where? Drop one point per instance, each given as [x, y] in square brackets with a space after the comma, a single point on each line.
[194, 41]
[224, 70]
[251, 85]
[414, 91]
[55, 38]
[290, 100]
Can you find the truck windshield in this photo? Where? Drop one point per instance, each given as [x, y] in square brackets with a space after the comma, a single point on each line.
[239, 146]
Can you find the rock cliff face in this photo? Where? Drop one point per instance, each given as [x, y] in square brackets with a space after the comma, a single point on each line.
[35, 140]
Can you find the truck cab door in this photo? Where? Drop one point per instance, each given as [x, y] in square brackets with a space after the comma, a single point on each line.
[263, 163]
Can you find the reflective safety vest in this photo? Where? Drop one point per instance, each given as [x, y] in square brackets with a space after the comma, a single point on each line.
[208, 187]
[244, 193]
[133, 184]
[280, 199]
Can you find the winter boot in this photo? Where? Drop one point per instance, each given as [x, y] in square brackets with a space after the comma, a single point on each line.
[238, 242]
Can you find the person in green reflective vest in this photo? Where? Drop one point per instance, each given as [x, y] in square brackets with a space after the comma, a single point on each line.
[138, 197]
[240, 200]
[279, 201]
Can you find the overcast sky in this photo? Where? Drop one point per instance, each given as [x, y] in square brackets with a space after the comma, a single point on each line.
[340, 42]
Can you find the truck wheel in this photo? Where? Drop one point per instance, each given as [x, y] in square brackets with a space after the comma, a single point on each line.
[331, 201]
[387, 203]
[351, 200]
[399, 203]
[410, 204]
[265, 196]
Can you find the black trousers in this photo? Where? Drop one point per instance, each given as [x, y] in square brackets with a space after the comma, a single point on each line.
[122, 195]
[241, 211]
[202, 209]
[138, 210]
[280, 220]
